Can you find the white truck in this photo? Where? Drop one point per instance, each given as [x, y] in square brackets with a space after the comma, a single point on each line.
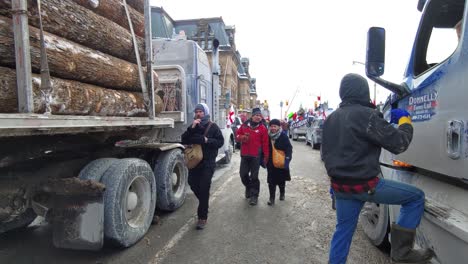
[95, 174]
[434, 92]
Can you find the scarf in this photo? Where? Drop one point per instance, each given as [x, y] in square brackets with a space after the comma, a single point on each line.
[205, 120]
[253, 124]
[275, 136]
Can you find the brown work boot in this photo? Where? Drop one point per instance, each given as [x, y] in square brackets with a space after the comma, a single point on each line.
[402, 240]
[201, 224]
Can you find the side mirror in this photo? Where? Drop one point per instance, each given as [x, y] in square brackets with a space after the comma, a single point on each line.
[375, 56]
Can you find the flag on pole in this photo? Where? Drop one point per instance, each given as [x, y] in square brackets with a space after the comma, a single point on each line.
[231, 116]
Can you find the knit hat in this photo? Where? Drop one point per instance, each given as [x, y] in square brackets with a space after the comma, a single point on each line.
[203, 107]
[256, 111]
[275, 122]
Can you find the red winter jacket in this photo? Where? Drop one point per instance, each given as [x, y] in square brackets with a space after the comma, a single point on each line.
[257, 140]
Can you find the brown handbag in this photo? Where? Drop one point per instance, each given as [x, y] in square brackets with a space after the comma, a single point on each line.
[278, 156]
[193, 154]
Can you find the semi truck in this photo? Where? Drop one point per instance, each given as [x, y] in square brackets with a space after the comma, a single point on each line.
[95, 156]
[434, 92]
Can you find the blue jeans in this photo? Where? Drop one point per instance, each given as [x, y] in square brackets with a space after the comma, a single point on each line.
[348, 207]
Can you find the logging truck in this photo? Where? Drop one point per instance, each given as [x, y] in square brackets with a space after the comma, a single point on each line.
[90, 118]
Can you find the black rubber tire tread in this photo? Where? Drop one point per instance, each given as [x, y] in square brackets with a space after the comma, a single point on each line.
[167, 201]
[23, 220]
[117, 179]
[96, 168]
[378, 234]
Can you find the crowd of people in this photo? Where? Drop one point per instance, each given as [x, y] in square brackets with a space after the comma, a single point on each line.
[353, 137]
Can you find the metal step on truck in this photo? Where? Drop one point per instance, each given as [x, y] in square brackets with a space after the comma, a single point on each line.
[90, 121]
[434, 91]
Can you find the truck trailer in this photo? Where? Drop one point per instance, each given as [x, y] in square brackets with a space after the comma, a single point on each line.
[90, 121]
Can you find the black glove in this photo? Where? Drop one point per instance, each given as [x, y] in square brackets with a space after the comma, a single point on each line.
[286, 163]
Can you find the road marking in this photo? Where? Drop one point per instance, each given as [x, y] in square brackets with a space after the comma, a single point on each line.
[161, 255]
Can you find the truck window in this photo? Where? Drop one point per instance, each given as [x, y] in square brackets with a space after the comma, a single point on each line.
[161, 25]
[437, 38]
[203, 89]
[442, 44]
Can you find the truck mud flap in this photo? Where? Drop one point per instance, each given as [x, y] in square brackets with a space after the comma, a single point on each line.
[78, 214]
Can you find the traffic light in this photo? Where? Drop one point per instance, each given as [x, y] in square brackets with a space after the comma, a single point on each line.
[287, 102]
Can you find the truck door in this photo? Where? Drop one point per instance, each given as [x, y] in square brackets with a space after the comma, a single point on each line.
[437, 75]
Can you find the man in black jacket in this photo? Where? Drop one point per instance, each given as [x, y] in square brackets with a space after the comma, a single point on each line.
[209, 136]
[353, 137]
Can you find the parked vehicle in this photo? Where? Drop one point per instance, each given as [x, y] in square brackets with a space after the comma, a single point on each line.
[298, 128]
[314, 132]
[96, 162]
[434, 92]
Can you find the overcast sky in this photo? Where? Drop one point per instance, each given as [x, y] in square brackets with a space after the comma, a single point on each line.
[308, 45]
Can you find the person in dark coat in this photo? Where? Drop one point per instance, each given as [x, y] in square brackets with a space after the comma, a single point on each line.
[353, 137]
[199, 178]
[278, 176]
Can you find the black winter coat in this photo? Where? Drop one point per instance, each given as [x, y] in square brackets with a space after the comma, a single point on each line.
[354, 134]
[276, 175]
[210, 148]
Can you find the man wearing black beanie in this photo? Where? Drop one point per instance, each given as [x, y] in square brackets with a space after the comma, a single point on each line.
[253, 136]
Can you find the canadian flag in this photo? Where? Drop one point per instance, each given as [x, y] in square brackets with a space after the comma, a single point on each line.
[230, 120]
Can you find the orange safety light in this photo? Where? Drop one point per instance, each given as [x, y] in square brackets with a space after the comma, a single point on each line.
[399, 163]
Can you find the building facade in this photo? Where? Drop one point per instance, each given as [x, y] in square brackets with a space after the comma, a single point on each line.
[237, 87]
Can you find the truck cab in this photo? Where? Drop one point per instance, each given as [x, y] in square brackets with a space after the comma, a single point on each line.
[434, 92]
[185, 76]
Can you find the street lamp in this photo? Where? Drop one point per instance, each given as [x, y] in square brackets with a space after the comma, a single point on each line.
[281, 113]
[375, 85]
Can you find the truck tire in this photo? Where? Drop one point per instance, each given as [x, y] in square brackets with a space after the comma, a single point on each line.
[228, 153]
[375, 222]
[96, 168]
[171, 180]
[129, 201]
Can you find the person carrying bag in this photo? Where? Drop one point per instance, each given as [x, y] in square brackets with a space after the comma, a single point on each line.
[278, 162]
[194, 153]
[205, 135]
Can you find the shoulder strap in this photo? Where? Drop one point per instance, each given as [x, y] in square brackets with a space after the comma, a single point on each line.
[207, 128]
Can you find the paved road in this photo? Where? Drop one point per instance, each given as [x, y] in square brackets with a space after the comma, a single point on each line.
[296, 230]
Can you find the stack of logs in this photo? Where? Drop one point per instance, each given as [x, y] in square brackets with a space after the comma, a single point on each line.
[90, 55]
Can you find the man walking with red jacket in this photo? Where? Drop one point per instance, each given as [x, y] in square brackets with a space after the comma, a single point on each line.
[253, 136]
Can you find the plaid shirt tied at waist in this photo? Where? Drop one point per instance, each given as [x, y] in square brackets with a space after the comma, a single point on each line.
[354, 186]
